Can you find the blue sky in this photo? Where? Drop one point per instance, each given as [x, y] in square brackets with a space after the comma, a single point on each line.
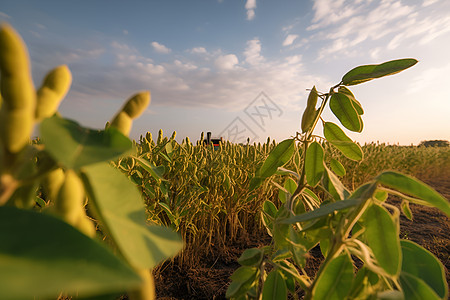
[245, 66]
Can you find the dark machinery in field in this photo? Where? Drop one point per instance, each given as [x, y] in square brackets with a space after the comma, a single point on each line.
[215, 142]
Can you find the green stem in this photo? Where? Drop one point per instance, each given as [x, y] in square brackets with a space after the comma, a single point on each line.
[302, 181]
[339, 242]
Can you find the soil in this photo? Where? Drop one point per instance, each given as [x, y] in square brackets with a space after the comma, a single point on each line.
[209, 278]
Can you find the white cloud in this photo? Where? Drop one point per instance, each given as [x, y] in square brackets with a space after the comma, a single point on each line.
[160, 48]
[295, 59]
[125, 32]
[349, 27]
[428, 2]
[250, 6]
[290, 39]
[198, 50]
[226, 62]
[429, 79]
[253, 52]
[216, 80]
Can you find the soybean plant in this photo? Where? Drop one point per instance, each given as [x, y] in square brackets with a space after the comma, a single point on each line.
[319, 211]
[59, 196]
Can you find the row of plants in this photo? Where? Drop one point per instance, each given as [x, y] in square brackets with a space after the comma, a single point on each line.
[204, 193]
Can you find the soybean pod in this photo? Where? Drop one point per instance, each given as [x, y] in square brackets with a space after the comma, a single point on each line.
[17, 90]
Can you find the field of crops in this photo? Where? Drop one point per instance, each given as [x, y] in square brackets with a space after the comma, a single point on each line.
[204, 195]
[91, 214]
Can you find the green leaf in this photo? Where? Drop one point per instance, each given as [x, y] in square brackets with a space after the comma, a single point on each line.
[41, 255]
[169, 149]
[415, 288]
[269, 213]
[349, 94]
[365, 191]
[314, 164]
[290, 185]
[382, 237]
[310, 197]
[334, 186]
[255, 182]
[420, 263]
[411, 186]
[280, 155]
[322, 211]
[406, 209]
[274, 287]
[74, 146]
[155, 172]
[341, 141]
[120, 207]
[251, 257]
[368, 72]
[336, 279]
[342, 108]
[337, 167]
[242, 280]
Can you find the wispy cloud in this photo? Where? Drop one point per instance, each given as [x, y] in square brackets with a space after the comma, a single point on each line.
[347, 27]
[160, 48]
[289, 40]
[4, 16]
[250, 6]
[198, 50]
[217, 80]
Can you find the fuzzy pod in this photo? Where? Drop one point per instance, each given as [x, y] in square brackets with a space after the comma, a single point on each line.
[136, 105]
[69, 203]
[148, 136]
[16, 84]
[13, 53]
[15, 129]
[160, 137]
[16, 88]
[54, 88]
[122, 122]
[52, 183]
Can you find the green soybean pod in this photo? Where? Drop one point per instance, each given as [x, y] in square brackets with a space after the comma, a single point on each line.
[160, 137]
[15, 129]
[54, 88]
[69, 203]
[310, 112]
[122, 122]
[16, 88]
[136, 105]
[52, 183]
